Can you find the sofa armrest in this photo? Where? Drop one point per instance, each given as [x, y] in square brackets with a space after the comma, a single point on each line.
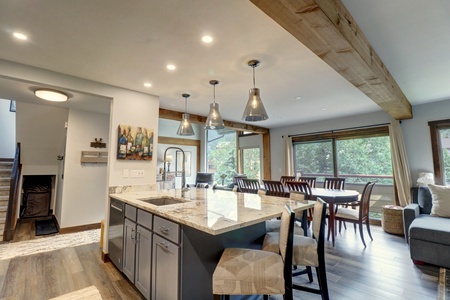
[410, 212]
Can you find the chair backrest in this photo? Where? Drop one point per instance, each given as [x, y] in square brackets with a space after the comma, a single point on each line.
[204, 178]
[318, 227]
[285, 242]
[275, 188]
[237, 179]
[285, 179]
[365, 201]
[334, 183]
[300, 186]
[310, 180]
[249, 185]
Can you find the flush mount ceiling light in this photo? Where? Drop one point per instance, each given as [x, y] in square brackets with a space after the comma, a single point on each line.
[254, 111]
[51, 95]
[185, 125]
[214, 120]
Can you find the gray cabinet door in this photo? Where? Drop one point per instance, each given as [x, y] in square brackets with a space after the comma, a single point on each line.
[165, 269]
[129, 249]
[143, 261]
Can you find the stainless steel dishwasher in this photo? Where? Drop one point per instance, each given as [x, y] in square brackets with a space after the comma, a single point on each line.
[115, 233]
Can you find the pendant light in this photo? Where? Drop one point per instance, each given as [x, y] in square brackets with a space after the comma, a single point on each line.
[254, 111]
[185, 125]
[214, 120]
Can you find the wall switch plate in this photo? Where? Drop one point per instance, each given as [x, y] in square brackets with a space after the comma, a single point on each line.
[126, 173]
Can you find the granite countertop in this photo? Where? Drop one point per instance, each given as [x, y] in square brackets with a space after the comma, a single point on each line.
[213, 211]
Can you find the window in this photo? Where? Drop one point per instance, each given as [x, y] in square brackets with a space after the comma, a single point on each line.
[359, 156]
[251, 162]
[440, 145]
[221, 154]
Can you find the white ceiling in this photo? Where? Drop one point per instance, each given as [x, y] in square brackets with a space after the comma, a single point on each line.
[127, 43]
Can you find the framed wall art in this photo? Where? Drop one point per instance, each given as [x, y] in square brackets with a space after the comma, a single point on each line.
[179, 163]
[134, 143]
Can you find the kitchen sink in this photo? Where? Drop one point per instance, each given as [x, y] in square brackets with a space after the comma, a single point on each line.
[163, 201]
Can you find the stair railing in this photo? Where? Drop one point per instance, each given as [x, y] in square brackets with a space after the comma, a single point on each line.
[10, 221]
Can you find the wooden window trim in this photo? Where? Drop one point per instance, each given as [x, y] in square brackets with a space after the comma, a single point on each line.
[438, 162]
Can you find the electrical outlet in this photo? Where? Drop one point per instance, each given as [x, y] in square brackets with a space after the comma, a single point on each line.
[126, 173]
[137, 173]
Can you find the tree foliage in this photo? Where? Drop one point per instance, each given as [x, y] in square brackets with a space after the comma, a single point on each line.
[358, 156]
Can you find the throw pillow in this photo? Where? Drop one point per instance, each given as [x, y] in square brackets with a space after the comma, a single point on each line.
[441, 200]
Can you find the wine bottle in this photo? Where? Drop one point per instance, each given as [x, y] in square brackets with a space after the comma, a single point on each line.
[130, 143]
[122, 146]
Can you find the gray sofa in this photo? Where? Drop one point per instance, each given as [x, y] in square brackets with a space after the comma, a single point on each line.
[428, 236]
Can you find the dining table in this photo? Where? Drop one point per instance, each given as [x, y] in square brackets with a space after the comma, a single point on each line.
[332, 197]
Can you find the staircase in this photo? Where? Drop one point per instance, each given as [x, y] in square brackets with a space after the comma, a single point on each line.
[5, 179]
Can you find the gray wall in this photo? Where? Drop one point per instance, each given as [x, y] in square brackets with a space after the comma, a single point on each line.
[416, 133]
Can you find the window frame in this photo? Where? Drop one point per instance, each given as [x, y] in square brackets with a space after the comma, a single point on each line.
[336, 135]
[438, 161]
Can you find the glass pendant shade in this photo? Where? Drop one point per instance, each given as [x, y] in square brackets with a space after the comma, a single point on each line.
[254, 110]
[185, 127]
[214, 120]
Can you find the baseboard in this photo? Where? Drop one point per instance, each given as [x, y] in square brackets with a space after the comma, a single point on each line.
[79, 228]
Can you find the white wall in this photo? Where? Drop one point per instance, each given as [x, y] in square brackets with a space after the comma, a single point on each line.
[40, 130]
[416, 134]
[85, 187]
[8, 126]
[170, 127]
[277, 142]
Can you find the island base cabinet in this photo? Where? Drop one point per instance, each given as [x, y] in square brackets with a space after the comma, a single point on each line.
[166, 266]
[143, 261]
[129, 249]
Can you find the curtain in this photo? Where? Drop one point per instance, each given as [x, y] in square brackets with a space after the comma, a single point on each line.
[400, 164]
[288, 156]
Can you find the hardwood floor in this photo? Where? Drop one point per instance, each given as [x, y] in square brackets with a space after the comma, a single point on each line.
[383, 270]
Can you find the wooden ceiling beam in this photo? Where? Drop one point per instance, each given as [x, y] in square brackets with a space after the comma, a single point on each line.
[328, 30]
[196, 119]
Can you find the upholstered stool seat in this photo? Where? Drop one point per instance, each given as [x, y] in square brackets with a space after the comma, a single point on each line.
[249, 272]
[304, 252]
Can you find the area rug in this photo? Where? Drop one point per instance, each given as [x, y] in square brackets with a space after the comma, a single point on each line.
[44, 227]
[444, 284]
[45, 244]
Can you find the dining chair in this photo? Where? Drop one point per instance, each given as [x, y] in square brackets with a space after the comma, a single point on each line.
[275, 188]
[358, 213]
[258, 272]
[310, 180]
[285, 179]
[308, 251]
[250, 186]
[300, 186]
[334, 183]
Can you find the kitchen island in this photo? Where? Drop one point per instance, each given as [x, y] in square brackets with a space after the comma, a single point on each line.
[205, 222]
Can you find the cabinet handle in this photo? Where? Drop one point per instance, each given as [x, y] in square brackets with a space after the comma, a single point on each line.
[165, 247]
[132, 235]
[164, 229]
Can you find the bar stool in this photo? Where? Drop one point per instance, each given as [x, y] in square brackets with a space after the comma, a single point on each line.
[308, 251]
[257, 272]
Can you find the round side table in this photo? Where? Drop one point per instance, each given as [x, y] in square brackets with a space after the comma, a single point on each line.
[392, 219]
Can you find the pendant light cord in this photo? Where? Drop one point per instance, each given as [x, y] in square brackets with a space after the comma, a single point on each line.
[185, 105]
[253, 67]
[214, 94]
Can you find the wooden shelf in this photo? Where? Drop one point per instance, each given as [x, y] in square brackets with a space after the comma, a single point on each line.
[100, 157]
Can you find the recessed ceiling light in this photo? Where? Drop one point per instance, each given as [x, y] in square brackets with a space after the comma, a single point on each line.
[171, 67]
[147, 84]
[298, 98]
[51, 95]
[20, 36]
[324, 108]
[207, 39]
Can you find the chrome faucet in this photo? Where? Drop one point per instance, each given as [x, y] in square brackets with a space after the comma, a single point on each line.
[183, 171]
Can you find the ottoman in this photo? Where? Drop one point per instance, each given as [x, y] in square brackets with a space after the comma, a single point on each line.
[392, 219]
